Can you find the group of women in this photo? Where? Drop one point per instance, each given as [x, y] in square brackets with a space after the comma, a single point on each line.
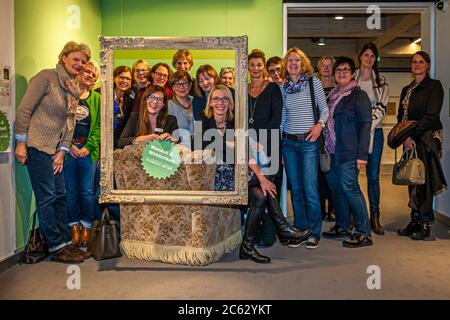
[341, 110]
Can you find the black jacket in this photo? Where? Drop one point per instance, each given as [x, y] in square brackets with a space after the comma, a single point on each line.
[131, 129]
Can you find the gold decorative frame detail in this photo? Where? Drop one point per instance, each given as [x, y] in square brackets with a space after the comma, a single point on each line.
[108, 193]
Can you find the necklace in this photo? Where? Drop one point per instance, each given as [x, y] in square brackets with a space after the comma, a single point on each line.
[252, 109]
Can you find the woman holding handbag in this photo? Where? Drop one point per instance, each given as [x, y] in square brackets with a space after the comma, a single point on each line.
[421, 100]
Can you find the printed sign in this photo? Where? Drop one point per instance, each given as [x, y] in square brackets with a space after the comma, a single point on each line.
[160, 159]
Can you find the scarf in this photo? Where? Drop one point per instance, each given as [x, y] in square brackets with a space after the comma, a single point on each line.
[335, 97]
[72, 94]
[290, 87]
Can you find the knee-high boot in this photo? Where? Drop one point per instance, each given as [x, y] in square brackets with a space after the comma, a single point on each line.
[284, 231]
[247, 249]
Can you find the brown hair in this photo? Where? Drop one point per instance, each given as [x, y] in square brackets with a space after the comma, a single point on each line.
[208, 69]
[257, 54]
[306, 63]
[144, 122]
[372, 47]
[73, 46]
[180, 75]
[273, 60]
[425, 57]
[208, 110]
[156, 66]
[180, 54]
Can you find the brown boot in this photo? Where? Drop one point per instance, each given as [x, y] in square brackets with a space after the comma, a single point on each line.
[66, 255]
[76, 234]
[375, 223]
[85, 235]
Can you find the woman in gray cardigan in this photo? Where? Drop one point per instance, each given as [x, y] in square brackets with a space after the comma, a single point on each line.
[45, 122]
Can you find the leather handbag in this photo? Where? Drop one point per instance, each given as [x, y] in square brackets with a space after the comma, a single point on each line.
[104, 240]
[409, 170]
[36, 249]
[400, 132]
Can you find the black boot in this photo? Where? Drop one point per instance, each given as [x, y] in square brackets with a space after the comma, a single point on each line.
[409, 229]
[422, 232]
[285, 232]
[266, 235]
[247, 249]
[375, 223]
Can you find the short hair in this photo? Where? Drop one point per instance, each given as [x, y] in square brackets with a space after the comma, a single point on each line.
[227, 70]
[208, 69]
[209, 113]
[257, 54]
[94, 63]
[343, 60]
[273, 60]
[306, 63]
[180, 75]
[73, 46]
[156, 66]
[133, 68]
[118, 70]
[180, 54]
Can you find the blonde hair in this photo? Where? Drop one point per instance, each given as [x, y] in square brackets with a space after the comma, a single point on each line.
[94, 63]
[319, 66]
[208, 110]
[180, 54]
[73, 46]
[306, 63]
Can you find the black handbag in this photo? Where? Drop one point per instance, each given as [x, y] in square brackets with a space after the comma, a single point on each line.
[36, 249]
[324, 156]
[104, 240]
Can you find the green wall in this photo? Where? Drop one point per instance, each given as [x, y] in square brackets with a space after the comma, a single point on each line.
[41, 30]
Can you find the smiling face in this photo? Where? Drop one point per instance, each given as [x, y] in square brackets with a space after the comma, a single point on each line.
[182, 88]
[275, 72]
[182, 65]
[160, 76]
[367, 59]
[227, 79]
[88, 76]
[294, 65]
[123, 81]
[155, 102]
[256, 68]
[74, 62]
[141, 73]
[326, 68]
[343, 74]
[419, 66]
[205, 82]
[219, 102]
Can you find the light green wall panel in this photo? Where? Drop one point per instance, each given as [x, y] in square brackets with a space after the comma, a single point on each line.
[41, 30]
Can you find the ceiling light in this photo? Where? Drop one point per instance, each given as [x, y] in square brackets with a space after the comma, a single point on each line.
[417, 40]
[338, 17]
[321, 42]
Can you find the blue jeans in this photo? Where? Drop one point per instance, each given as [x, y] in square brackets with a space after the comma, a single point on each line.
[49, 192]
[301, 159]
[373, 171]
[346, 193]
[79, 178]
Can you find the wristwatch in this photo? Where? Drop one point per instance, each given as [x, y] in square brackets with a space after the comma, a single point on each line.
[322, 123]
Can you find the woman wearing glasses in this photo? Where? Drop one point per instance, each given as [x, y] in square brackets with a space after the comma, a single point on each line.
[152, 122]
[123, 101]
[160, 75]
[347, 137]
[181, 105]
[273, 66]
[141, 73]
[325, 67]
[422, 100]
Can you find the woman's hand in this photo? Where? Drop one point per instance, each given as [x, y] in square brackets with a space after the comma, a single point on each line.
[58, 162]
[167, 136]
[268, 188]
[314, 132]
[409, 144]
[74, 151]
[360, 164]
[147, 138]
[21, 152]
[83, 152]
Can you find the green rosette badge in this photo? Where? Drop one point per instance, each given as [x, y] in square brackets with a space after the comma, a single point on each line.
[161, 159]
[5, 132]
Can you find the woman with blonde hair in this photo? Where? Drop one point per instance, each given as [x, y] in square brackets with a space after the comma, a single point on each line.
[45, 123]
[227, 76]
[325, 67]
[301, 125]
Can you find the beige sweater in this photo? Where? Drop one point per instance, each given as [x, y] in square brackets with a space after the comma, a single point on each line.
[46, 115]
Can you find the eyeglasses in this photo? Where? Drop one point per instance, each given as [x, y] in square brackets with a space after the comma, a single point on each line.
[123, 78]
[219, 99]
[137, 71]
[326, 65]
[154, 98]
[181, 84]
[273, 71]
[162, 75]
[343, 70]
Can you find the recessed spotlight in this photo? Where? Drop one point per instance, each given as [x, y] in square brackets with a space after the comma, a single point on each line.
[321, 42]
[338, 17]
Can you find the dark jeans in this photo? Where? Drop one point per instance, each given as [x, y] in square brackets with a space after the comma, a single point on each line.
[50, 195]
[79, 175]
[301, 160]
[346, 192]
[373, 171]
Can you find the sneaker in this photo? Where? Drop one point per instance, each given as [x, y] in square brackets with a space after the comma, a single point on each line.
[336, 232]
[312, 243]
[357, 241]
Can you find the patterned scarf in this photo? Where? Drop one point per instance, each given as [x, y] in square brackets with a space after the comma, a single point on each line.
[335, 97]
[72, 94]
[290, 87]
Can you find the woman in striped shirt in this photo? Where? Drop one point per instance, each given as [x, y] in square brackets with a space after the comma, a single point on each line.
[301, 125]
